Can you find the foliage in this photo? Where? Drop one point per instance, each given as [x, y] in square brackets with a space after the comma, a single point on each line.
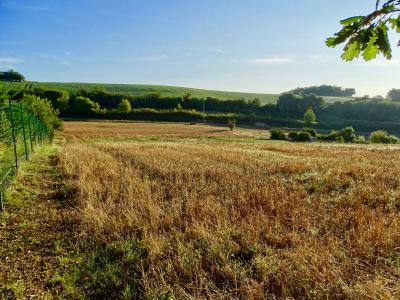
[368, 110]
[382, 137]
[124, 107]
[325, 90]
[292, 136]
[278, 134]
[360, 139]
[368, 35]
[11, 76]
[303, 136]
[311, 131]
[58, 98]
[348, 134]
[309, 116]
[363, 114]
[232, 123]
[5, 127]
[394, 94]
[44, 111]
[84, 106]
[297, 105]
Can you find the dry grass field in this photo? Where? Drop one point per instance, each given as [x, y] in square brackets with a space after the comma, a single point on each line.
[129, 130]
[231, 219]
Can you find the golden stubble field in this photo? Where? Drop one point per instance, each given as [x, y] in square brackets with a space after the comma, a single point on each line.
[240, 220]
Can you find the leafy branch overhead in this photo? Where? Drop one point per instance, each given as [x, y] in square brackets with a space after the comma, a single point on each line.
[368, 35]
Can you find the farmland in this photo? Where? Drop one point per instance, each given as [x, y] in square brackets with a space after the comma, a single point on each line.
[165, 91]
[215, 215]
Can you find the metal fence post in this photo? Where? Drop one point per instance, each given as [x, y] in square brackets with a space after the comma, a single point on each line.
[23, 129]
[30, 131]
[13, 135]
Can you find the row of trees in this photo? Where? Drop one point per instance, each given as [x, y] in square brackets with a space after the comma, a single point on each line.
[288, 107]
[325, 90]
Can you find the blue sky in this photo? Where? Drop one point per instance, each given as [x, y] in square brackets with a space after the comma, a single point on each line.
[266, 46]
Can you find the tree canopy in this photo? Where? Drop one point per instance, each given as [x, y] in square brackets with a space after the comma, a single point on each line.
[11, 76]
[325, 90]
[368, 35]
[394, 94]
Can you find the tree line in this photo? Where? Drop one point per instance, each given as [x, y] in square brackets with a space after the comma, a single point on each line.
[326, 90]
[290, 108]
[11, 76]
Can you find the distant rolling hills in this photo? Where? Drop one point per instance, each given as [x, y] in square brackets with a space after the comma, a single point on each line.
[167, 91]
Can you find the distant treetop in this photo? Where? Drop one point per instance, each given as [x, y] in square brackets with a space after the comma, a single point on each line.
[325, 90]
[11, 76]
[394, 94]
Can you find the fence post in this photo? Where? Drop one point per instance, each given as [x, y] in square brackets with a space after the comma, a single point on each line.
[23, 129]
[41, 134]
[13, 135]
[30, 131]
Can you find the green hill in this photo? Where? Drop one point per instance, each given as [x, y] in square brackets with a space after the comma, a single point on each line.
[167, 91]
[171, 91]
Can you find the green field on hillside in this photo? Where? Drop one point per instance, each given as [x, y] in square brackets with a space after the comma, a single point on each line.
[167, 91]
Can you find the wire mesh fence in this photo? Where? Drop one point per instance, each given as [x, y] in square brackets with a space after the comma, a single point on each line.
[21, 132]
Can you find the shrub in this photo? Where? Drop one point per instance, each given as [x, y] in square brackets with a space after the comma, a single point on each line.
[278, 134]
[348, 134]
[124, 106]
[232, 123]
[84, 106]
[292, 136]
[382, 137]
[303, 136]
[360, 139]
[339, 139]
[44, 111]
[311, 131]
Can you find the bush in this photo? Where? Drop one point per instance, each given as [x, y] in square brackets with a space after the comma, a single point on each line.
[84, 106]
[348, 134]
[232, 123]
[44, 111]
[382, 137]
[303, 136]
[311, 131]
[339, 139]
[292, 136]
[360, 139]
[278, 134]
[124, 107]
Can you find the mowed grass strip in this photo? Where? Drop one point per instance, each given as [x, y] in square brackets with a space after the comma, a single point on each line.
[235, 220]
[36, 230]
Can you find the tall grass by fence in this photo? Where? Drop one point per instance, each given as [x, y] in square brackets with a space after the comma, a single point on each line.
[21, 133]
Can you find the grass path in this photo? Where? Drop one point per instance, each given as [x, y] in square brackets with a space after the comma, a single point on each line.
[35, 230]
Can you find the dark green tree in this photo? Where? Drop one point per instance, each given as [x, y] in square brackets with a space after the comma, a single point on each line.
[368, 35]
[394, 94]
[11, 76]
[84, 106]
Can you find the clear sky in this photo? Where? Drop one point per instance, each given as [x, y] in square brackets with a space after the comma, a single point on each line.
[266, 46]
